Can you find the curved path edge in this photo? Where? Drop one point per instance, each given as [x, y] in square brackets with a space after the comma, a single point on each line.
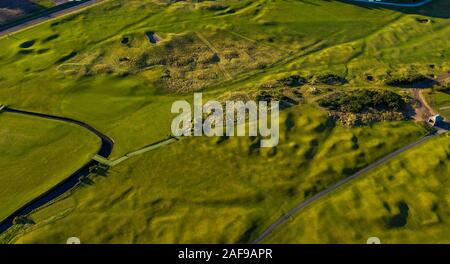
[67, 184]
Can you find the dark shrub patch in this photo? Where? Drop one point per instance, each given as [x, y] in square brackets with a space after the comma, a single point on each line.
[23, 220]
[423, 20]
[293, 81]
[286, 102]
[264, 96]
[360, 100]
[215, 7]
[25, 52]
[50, 38]
[42, 51]
[231, 11]
[125, 41]
[330, 79]
[400, 219]
[67, 57]
[27, 44]
[411, 81]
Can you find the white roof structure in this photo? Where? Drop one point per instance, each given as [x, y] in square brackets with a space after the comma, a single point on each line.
[435, 119]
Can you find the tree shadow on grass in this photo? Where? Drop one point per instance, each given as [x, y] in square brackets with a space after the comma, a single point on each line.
[400, 219]
[436, 8]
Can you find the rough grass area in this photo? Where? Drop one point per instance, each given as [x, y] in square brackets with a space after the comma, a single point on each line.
[31, 163]
[405, 201]
[95, 76]
[199, 201]
[121, 73]
[362, 106]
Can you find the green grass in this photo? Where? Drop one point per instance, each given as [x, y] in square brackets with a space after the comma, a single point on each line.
[91, 86]
[180, 194]
[197, 190]
[366, 207]
[32, 163]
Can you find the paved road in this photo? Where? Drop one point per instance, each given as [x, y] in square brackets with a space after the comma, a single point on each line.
[46, 17]
[385, 2]
[66, 185]
[332, 188]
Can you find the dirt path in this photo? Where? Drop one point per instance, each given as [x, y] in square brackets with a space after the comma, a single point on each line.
[424, 110]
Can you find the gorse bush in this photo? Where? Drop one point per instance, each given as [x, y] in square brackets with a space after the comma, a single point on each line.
[361, 100]
[415, 80]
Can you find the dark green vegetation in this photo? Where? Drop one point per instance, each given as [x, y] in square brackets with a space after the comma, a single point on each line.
[361, 106]
[122, 77]
[357, 101]
[410, 81]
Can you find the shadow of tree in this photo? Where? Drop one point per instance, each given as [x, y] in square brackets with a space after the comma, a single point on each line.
[436, 8]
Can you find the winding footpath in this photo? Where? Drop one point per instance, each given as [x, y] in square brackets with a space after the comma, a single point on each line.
[105, 150]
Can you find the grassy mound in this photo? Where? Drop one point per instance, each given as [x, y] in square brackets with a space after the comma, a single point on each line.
[145, 202]
[395, 203]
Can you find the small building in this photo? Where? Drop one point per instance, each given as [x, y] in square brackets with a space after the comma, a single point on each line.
[435, 120]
